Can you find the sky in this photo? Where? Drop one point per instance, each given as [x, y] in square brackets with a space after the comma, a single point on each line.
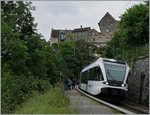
[73, 14]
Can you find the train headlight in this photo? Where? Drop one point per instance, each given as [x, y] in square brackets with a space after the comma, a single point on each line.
[123, 85]
[105, 83]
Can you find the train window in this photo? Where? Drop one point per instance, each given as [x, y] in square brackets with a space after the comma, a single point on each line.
[115, 71]
[92, 74]
[84, 77]
[99, 74]
[95, 74]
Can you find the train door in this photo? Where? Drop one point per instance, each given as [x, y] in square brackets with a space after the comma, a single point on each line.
[95, 80]
[84, 80]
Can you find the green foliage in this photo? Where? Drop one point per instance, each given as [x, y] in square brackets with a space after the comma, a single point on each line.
[16, 89]
[82, 52]
[13, 49]
[132, 37]
[18, 16]
[28, 63]
[134, 25]
[72, 57]
[69, 35]
[51, 102]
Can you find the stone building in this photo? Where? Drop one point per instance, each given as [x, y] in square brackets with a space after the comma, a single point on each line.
[59, 35]
[54, 36]
[81, 33]
[108, 25]
[86, 33]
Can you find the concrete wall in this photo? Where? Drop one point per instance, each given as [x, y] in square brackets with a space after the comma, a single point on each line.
[138, 81]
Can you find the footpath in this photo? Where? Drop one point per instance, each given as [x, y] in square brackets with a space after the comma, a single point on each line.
[84, 105]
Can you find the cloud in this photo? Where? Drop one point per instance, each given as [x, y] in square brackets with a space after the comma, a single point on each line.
[72, 14]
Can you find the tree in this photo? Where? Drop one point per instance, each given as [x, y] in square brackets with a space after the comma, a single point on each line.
[134, 25]
[14, 52]
[18, 16]
[133, 32]
[27, 63]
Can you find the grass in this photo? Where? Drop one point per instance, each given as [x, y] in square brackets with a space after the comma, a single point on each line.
[51, 102]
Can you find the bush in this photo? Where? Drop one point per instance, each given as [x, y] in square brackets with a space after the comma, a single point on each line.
[52, 101]
[16, 89]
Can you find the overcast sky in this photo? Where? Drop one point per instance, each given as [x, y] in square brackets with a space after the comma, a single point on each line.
[72, 14]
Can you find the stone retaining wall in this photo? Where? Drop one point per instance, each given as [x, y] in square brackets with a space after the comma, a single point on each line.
[138, 81]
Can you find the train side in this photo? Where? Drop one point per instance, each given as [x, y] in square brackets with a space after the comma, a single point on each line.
[103, 75]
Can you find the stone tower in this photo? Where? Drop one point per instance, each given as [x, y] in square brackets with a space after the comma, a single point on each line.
[108, 24]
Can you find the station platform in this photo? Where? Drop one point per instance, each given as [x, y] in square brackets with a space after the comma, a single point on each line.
[84, 105]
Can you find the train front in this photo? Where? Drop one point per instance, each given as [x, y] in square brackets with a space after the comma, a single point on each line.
[116, 74]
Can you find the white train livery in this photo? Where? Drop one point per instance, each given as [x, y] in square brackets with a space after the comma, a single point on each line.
[104, 74]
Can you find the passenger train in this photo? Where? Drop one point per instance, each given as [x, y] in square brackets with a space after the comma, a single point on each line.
[104, 75]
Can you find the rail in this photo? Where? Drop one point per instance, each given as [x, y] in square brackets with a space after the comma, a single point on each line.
[106, 103]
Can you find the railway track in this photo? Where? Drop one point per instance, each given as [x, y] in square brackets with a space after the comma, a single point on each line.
[125, 105]
[119, 106]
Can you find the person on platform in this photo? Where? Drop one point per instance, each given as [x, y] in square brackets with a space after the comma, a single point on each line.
[65, 84]
[73, 83]
[69, 84]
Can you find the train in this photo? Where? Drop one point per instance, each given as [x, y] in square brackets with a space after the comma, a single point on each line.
[105, 76]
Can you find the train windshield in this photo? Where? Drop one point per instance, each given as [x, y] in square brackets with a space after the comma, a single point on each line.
[114, 71]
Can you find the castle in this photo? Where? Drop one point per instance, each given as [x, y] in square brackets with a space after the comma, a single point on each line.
[107, 25]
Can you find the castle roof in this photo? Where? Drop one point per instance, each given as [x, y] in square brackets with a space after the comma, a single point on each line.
[81, 29]
[105, 17]
[55, 33]
[95, 30]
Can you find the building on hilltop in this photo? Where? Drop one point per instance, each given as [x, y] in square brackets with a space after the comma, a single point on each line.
[108, 25]
[81, 33]
[86, 33]
[74, 35]
[58, 35]
[54, 36]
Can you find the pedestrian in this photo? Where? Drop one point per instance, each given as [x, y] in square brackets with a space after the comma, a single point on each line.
[77, 83]
[69, 84]
[65, 84]
[73, 83]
